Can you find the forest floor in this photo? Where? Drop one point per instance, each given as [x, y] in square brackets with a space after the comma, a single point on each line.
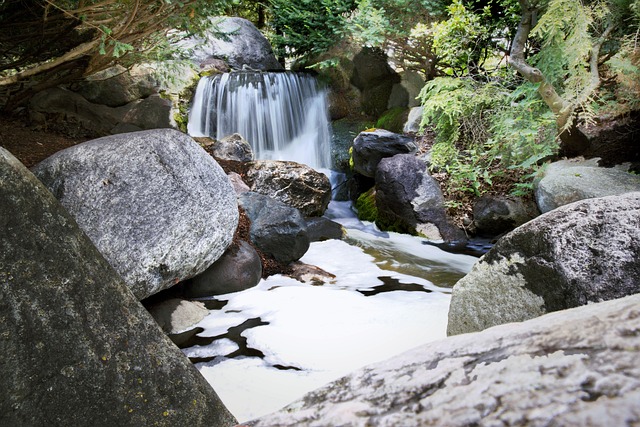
[31, 145]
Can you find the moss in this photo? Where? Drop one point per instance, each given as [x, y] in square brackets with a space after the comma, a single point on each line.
[366, 206]
[393, 120]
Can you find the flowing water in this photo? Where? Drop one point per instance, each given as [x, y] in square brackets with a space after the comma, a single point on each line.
[282, 115]
[265, 347]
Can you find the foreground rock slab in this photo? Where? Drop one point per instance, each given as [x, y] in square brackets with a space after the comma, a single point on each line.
[155, 204]
[585, 252]
[77, 348]
[576, 367]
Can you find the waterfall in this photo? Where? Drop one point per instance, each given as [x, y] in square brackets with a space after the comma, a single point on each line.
[282, 115]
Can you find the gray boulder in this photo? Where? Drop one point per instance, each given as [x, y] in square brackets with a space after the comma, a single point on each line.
[409, 200]
[153, 112]
[577, 254]
[568, 181]
[277, 229]
[495, 215]
[117, 86]
[68, 111]
[292, 183]
[412, 125]
[239, 268]
[243, 46]
[371, 147]
[60, 108]
[77, 348]
[233, 147]
[157, 206]
[404, 93]
[572, 368]
[178, 317]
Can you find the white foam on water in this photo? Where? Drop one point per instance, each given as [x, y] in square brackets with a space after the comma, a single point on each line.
[318, 332]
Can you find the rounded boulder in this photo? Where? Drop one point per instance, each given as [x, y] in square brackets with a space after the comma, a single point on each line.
[155, 204]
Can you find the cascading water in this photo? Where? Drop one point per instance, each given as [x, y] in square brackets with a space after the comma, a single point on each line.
[282, 115]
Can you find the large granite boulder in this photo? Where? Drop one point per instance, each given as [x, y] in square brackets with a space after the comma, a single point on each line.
[157, 206]
[239, 268]
[572, 368]
[242, 47]
[578, 254]
[292, 183]
[494, 215]
[77, 348]
[409, 200]
[277, 229]
[568, 181]
[372, 146]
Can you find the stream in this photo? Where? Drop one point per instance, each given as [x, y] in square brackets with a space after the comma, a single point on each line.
[264, 347]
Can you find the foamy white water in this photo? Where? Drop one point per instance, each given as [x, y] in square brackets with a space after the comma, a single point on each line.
[320, 333]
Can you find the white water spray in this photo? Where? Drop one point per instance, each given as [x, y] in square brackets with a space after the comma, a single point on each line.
[282, 115]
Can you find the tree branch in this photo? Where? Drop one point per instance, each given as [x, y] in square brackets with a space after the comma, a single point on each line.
[74, 53]
[556, 103]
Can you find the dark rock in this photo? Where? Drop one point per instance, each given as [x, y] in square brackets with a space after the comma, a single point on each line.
[77, 348]
[61, 110]
[292, 183]
[321, 228]
[118, 86]
[277, 229]
[571, 368]
[409, 200]
[371, 147]
[495, 215]
[157, 206]
[577, 254]
[239, 268]
[153, 112]
[615, 140]
[373, 76]
[405, 92]
[58, 109]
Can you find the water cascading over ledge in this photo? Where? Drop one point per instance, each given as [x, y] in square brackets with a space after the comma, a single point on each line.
[282, 115]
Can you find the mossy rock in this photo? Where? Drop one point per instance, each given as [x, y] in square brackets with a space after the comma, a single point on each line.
[393, 120]
[366, 206]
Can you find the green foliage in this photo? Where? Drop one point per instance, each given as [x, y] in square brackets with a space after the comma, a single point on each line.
[458, 40]
[483, 128]
[304, 28]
